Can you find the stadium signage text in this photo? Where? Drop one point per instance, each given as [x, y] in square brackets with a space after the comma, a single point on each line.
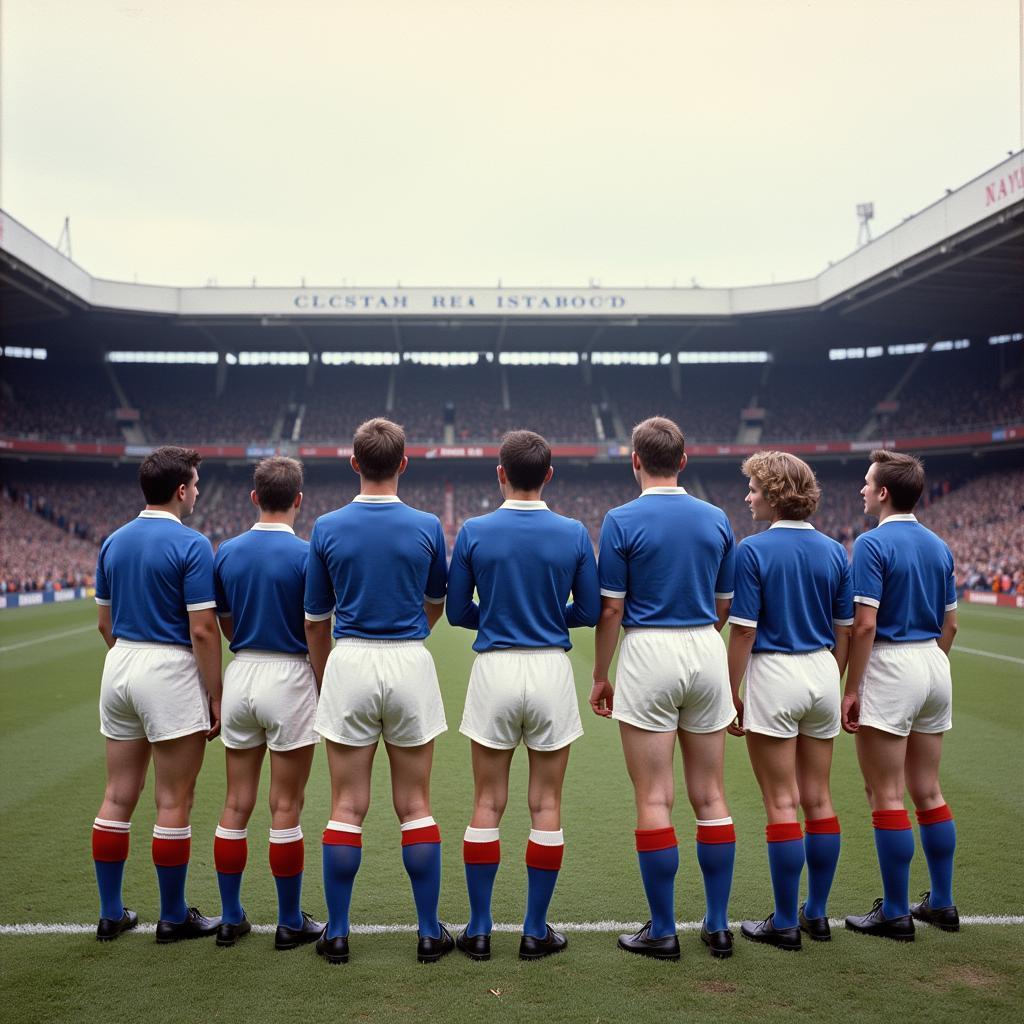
[1005, 187]
[485, 302]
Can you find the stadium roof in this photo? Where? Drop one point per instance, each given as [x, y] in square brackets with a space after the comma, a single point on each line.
[953, 269]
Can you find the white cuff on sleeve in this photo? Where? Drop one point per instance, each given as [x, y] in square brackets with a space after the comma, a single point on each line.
[200, 606]
[433, 600]
[858, 599]
[312, 617]
[613, 593]
[103, 601]
[951, 607]
[725, 597]
[735, 620]
[842, 622]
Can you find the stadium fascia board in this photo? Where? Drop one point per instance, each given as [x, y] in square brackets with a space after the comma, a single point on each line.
[1002, 438]
[995, 194]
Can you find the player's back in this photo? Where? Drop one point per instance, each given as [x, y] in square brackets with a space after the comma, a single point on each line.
[261, 581]
[375, 561]
[803, 583]
[524, 560]
[153, 571]
[669, 555]
[905, 571]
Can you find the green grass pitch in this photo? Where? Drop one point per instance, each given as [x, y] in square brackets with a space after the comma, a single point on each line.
[51, 757]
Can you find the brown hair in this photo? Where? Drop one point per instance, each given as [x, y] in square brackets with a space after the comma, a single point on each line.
[788, 483]
[526, 459]
[277, 482]
[164, 470]
[659, 444]
[902, 475]
[379, 446]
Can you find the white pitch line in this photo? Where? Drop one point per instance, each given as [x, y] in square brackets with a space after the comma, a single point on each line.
[988, 654]
[48, 638]
[582, 927]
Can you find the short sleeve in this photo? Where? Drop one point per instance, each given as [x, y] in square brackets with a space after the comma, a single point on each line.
[842, 603]
[200, 592]
[319, 599]
[437, 578]
[868, 572]
[612, 564]
[725, 583]
[586, 599]
[746, 603]
[102, 583]
[950, 583]
[223, 608]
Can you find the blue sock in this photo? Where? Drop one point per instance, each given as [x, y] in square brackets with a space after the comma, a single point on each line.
[544, 854]
[894, 843]
[287, 860]
[421, 855]
[171, 849]
[481, 852]
[230, 886]
[938, 840]
[821, 848]
[657, 850]
[109, 852]
[343, 853]
[230, 853]
[289, 900]
[786, 862]
[716, 855]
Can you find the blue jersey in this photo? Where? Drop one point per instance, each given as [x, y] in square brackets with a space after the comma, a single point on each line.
[906, 572]
[261, 582]
[153, 572]
[669, 555]
[792, 584]
[523, 560]
[372, 564]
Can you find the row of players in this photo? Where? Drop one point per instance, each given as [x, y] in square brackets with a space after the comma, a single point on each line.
[668, 572]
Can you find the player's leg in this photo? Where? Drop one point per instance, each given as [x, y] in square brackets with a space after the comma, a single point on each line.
[127, 764]
[231, 843]
[176, 763]
[703, 765]
[774, 760]
[351, 769]
[421, 838]
[938, 830]
[289, 773]
[821, 826]
[650, 764]
[882, 757]
[545, 847]
[481, 847]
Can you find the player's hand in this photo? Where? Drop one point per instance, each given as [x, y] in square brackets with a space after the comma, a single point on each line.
[601, 697]
[851, 712]
[736, 728]
[214, 721]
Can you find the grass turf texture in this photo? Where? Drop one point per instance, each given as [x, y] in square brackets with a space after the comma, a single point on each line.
[51, 756]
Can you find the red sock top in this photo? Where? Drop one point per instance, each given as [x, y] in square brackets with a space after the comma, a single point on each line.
[934, 815]
[650, 839]
[822, 826]
[891, 821]
[783, 832]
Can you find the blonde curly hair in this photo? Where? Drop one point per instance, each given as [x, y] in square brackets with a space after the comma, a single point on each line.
[789, 484]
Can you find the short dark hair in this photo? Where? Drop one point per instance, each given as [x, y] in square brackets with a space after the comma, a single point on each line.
[164, 470]
[526, 459]
[379, 446]
[277, 482]
[659, 444]
[902, 475]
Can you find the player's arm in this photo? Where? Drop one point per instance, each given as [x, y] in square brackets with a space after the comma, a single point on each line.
[949, 628]
[318, 640]
[864, 618]
[722, 606]
[725, 582]
[841, 651]
[585, 609]
[433, 611]
[202, 627]
[106, 624]
[227, 626]
[460, 607]
[437, 579]
[606, 638]
[741, 643]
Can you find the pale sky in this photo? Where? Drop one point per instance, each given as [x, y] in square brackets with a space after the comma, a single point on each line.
[536, 142]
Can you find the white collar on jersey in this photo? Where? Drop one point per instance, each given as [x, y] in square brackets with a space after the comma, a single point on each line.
[158, 513]
[523, 506]
[663, 490]
[277, 527]
[378, 499]
[899, 517]
[791, 524]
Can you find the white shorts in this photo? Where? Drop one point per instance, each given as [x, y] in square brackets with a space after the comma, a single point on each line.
[153, 692]
[268, 698]
[522, 694]
[791, 694]
[375, 688]
[907, 688]
[671, 679]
